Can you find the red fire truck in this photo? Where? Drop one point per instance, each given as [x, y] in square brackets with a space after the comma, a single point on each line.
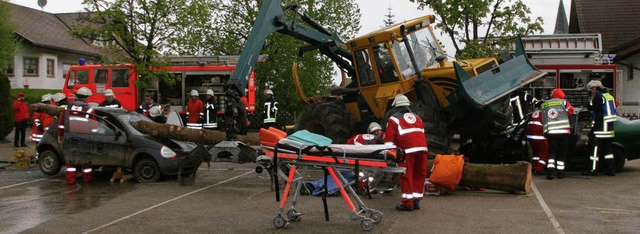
[193, 72]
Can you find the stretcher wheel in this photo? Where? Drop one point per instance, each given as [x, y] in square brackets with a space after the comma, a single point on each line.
[376, 216]
[367, 224]
[279, 222]
[258, 169]
[294, 216]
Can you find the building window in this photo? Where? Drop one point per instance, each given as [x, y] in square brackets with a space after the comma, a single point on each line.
[51, 68]
[9, 69]
[30, 66]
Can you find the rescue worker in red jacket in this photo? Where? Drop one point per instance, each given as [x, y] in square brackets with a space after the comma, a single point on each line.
[20, 117]
[76, 115]
[373, 136]
[195, 111]
[41, 121]
[603, 110]
[557, 130]
[539, 145]
[406, 130]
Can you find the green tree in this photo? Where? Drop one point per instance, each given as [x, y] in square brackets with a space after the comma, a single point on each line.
[232, 23]
[8, 45]
[478, 27]
[137, 31]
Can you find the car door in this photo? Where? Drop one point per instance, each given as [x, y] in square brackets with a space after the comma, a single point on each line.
[108, 144]
[95, 141]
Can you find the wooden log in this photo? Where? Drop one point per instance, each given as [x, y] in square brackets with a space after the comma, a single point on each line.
[512, 178]
[199, 136]
[46, 108]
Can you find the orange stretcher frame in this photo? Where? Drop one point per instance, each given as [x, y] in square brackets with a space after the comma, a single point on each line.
[367, 216]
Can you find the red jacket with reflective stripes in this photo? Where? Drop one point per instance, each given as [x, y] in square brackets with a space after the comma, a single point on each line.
[406, 130]
[74, 110]
[534, 128]
[364, 139]
[195, 108]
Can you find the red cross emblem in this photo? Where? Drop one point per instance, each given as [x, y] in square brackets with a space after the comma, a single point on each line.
[410, 118]
[553, 113]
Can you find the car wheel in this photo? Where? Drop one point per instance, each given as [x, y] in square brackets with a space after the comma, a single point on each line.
[147, 171]
[619, 158]
[49, 162]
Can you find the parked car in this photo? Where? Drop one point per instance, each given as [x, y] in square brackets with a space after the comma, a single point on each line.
[626, 145]
[112, 142]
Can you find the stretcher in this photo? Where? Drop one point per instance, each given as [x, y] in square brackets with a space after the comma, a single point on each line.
[290, 160]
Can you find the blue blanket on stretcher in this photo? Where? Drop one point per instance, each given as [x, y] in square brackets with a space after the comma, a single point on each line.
[316, 187]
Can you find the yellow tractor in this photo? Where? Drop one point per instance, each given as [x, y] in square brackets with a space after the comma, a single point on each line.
[469, 97]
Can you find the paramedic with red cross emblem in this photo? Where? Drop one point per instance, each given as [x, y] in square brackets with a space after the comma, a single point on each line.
[557, 130]
[406, 130]
[76, 115]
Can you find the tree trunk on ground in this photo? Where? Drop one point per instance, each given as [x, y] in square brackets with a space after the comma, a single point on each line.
[46, 108]
[513, 178]
[199, 136]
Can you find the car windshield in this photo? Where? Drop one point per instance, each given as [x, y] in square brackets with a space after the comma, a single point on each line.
[130, 117]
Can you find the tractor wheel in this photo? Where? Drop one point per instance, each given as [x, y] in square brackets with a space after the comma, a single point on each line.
[439, 134]
[328, 119]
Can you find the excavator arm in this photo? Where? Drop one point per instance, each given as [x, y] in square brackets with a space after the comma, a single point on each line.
[273, 18]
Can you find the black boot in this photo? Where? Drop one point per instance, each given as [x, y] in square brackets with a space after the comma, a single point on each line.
[560, 174]
[550, 174]
[416, 204]
[402, 207]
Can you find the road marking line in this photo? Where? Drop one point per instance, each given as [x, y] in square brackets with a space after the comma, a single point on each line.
[165, 202]
[611, 210]
[546, 209]
[14, 185]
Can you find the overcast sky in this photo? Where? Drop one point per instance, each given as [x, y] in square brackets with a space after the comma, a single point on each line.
[373, 12]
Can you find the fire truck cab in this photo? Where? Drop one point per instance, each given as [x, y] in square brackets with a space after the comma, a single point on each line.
[193, 73]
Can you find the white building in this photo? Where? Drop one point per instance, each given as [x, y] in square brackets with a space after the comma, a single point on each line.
[46, 49]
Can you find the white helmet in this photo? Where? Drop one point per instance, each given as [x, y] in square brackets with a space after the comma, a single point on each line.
[194, 92]
[209, 92]
[59, 97]
[84, 92]
[268, 91]
[155, 111]
[46, 98]
[373, 126]
[401, 100]
[594, 83]
[108, 93]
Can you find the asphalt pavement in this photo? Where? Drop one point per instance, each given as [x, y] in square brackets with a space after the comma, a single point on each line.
[233, 198]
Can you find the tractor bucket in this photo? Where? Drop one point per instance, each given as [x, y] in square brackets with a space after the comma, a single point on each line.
[496, 83]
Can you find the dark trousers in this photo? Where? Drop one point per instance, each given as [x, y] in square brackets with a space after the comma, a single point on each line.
[19, 133]
[558, 149]
[605, 155]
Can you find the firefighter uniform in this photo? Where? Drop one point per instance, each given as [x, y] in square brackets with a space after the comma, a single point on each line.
[110, 100]
[41, 121]
[406, 130]
[603, 115]
[195, 111]
[539, 145]
[144, 107]
[77, 115]
[557, 130]
[270, 110]
[210, 111]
